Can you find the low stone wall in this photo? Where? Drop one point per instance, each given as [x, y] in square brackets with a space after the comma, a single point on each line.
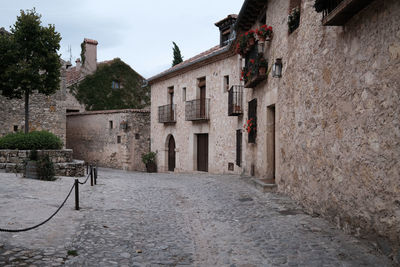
[13, 161]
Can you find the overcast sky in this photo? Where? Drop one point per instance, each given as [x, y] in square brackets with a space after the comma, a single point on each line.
[138, 32]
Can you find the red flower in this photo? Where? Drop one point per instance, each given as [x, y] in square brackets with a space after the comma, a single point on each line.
[252, 61]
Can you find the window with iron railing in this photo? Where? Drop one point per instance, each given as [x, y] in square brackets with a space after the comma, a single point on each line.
[166, 114]
[235, 100]
[197, 109]
[338, 12]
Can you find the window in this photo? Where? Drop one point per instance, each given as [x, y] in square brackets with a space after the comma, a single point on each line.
[226, 83]
[294, 15]
[184, 94]
[110, 123]
[72, 110]
[15, 128]
[171, 95]
[252, 116]
[119, 139]
[115, 85]
[137, 136]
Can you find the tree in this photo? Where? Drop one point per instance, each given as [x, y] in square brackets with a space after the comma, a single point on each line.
[29, 59]
[177, 55]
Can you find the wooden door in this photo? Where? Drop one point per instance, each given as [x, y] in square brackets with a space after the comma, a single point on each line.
[202, 152]
[171, 154]
[202, 101]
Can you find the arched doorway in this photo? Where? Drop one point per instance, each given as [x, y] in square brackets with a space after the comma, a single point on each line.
[171, 153]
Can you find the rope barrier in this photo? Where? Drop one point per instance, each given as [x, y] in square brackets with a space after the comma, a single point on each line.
[87, 178]
[40, 224]
[48, 219]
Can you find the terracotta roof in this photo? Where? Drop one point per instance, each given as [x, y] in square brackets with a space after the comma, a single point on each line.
[109, 112]
[73, 76]
[216, 50]
[90, 41]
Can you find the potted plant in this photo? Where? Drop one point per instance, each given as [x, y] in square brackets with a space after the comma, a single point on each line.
[250, 125]
[264, 33]
[241, 46]
[251, 38]
[149, 159]
[262, 66]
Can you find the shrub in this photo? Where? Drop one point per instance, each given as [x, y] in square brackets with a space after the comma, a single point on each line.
[31, 141]
[45, 168]
[149, 157]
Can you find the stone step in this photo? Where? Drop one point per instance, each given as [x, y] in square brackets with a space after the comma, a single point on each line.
[265, 185]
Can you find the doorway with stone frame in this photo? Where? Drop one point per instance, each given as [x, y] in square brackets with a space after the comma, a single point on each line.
[170, 153]
[271, 144]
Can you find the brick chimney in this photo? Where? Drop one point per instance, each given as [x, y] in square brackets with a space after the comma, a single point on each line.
[90, 64]
[226, 28]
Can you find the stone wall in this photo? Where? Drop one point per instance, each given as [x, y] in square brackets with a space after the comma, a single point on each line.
[337, 118]
[220, 128]
[92, 138]
[64, 165]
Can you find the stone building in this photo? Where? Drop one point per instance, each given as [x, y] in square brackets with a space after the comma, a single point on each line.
[327, 127]
[111, 138]
[190, 127]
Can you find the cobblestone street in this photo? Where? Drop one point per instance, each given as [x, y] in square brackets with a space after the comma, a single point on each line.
[140, 219]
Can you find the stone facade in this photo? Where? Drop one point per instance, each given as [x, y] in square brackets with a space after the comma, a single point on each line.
[114, 139]
[327, 131]
[64, 165]
[220, 128]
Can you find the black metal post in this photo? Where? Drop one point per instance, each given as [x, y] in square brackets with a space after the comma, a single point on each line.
[87, 167]
[76, 194]
[91, 175]
[95, 175]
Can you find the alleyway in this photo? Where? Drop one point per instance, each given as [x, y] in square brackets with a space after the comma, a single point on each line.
[140, 219]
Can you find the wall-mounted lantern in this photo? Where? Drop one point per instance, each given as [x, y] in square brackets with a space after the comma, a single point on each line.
[277, 68]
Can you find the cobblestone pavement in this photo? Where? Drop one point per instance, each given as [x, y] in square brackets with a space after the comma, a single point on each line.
[140, 219]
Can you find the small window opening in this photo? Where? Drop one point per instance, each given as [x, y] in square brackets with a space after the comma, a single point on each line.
[137, 136]
[111, 124]
[15, 128]
[226, 83]
[115, 85]
[184, 94]
[119, 139]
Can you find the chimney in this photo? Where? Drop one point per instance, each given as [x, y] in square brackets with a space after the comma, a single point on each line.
[78, 64]
[90, 63]
[226, 28]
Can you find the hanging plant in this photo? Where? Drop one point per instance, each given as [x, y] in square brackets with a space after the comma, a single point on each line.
[250, 125]
[294, 19]
[264, 33]
[241, 45]
[251, 38]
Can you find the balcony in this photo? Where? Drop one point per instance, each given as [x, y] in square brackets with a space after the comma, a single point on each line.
[235, 100]
[197, 110]
[338, 12]
[166, 114]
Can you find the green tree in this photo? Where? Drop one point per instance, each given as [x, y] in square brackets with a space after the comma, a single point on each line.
[177, 55]
[29, 59]
[113, 85]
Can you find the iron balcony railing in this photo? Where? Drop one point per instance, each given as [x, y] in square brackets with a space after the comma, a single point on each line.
[198, 109]
[235, 100]
[167, 114]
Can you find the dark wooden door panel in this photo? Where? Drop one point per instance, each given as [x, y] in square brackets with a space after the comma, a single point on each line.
[202, 152]
[171, 154]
